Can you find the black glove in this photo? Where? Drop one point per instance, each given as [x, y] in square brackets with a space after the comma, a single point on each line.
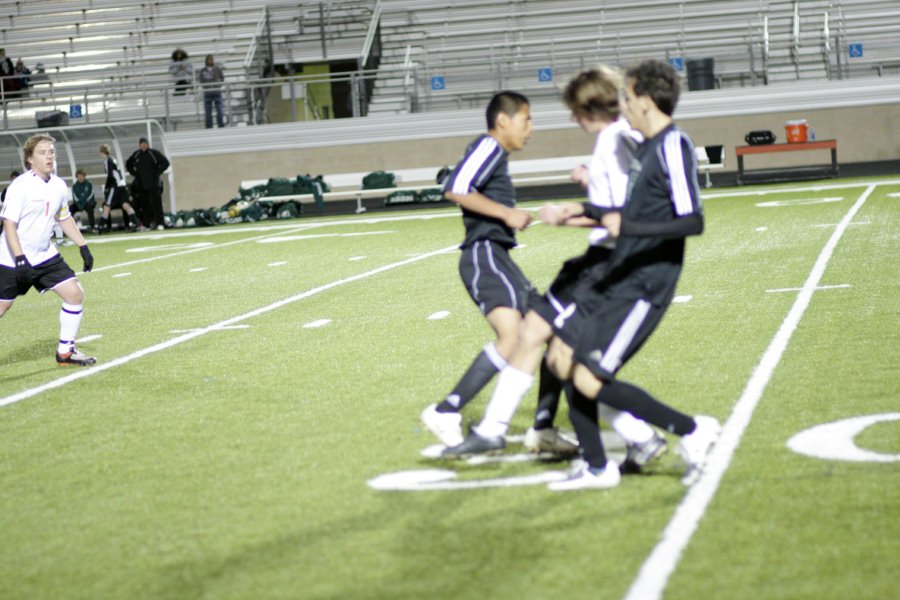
[24, 273]
[88, 258]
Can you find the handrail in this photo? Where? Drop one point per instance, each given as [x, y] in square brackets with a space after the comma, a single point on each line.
[370, 34]
[251, 51]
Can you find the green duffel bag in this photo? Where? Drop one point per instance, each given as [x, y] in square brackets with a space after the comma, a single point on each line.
[395, 198]
[287, 210]
[377, 180]
[430, 195]
[280, 186]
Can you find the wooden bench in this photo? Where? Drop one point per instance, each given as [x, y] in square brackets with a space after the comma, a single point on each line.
[787, 173]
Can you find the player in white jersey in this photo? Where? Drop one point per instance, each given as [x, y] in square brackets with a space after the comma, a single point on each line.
[35, 202]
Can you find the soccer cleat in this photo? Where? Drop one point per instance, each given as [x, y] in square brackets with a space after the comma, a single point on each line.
[694, 448]
[446, 426]
[637, 456]
[475, 444]
[74, 358]
[549, 440]
[583, 479]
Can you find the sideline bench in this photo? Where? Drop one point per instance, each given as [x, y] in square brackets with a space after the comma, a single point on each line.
[787, 173]
[541, 171]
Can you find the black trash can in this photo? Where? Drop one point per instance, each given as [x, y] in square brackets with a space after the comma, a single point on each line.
[701, 74]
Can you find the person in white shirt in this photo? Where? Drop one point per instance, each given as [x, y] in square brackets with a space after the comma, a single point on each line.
[36, 201]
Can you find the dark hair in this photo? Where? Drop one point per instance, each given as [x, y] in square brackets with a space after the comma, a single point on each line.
[506, 102]
[14, 173]
[659, 81]
[594, 93]
[80, 172]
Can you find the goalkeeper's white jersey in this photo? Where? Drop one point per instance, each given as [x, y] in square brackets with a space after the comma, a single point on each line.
[608, 170]
[35, 206]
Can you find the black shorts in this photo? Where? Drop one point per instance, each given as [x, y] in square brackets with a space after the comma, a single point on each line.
[47, 275]
[576, 281]
[611, 330]
[115, 197]
[492, 278]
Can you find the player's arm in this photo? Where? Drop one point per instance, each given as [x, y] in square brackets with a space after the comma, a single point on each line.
[11, 231]
[476, 202]
[570, 214]
[70, 228]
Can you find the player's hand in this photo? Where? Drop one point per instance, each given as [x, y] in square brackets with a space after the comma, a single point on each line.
[550, 215]
[580, 175]
[24, 272]
[516, 218]
[87, 257]
[613, 223]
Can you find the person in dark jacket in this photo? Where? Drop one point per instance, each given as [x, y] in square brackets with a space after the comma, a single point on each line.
[146, 165]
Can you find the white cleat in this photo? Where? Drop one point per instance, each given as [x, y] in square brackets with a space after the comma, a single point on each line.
[694, 448]
[549, 440]
[584, 479]
[446, 426]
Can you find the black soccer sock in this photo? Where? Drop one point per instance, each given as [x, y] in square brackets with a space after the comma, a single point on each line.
[90, 213]
[627, 397]
[583, 414]
[549, 389]
[105, 224]
[486, 365]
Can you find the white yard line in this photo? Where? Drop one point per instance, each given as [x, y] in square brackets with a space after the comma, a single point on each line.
[654, 574]
[102, 367]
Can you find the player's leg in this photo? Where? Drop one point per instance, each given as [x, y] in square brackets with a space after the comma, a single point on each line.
[58, 277]
[5, 305]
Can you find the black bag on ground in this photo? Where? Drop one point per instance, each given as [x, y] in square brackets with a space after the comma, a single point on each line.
[760, 137]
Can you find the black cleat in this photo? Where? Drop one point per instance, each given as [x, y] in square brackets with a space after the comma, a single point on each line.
[475, 444]
[639, 455]
[74, 358]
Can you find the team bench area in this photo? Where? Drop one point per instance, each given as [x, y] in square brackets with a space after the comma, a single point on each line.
[534, 172]
[786, 173]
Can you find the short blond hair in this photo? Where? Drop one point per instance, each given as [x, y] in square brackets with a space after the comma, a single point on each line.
[595, 93]
[104, 149]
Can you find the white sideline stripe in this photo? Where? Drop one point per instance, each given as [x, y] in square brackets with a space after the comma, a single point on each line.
[198, 269]
[682, 299]
[655, 572]
[280, 263]
[100, 368]
[88, 338]
[317, 324]
[821, 287]
[118, 275]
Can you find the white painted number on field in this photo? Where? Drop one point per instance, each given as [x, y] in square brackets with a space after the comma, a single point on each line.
[835, 441]
[442, 479]
[682, 299]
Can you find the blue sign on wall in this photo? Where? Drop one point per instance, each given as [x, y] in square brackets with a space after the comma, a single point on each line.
[545, 74]
[438, 82]
[75, 111]
[855, 50]
[677, 63]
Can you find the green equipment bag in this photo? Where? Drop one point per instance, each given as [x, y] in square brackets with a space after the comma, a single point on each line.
[378, 180]
[430, 195]
[395, 198]
[287, 210]
[306, 184]
[280, 186]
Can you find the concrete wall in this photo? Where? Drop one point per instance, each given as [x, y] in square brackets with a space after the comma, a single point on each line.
[864, 134]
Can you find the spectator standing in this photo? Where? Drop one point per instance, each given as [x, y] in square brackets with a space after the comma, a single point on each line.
[211, 78]
[7, 81]
[146, 165]
[182, 71]
[83, 198]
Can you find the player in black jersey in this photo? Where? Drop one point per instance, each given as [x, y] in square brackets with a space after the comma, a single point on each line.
[637, 283]
[482, 187]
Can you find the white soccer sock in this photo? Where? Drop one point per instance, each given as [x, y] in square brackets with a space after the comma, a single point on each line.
[69, 321]
[512, 385]
[632, 429]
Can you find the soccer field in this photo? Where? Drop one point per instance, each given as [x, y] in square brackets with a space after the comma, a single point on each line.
[251, 427]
